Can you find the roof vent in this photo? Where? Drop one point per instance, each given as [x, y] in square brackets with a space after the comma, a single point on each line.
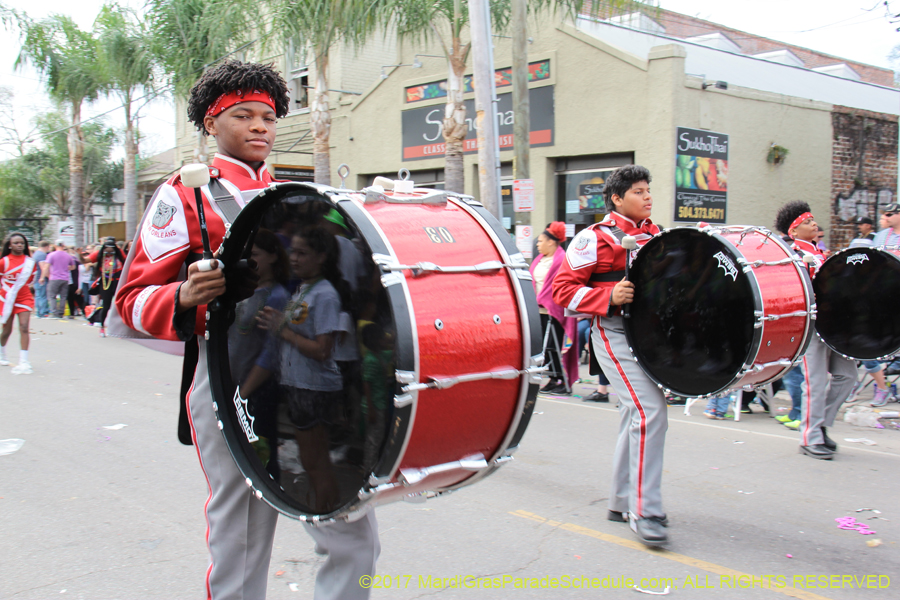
[637, 20]
[785, 57]
[839, 70]
[716, 40]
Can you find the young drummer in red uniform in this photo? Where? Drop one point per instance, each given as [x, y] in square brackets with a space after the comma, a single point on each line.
[591, 281]
[238, 103]
[17, 272]
[821, 399]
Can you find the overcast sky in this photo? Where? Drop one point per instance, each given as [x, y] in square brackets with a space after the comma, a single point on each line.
[854, 29]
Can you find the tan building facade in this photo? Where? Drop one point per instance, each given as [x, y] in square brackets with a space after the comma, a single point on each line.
[595, 106]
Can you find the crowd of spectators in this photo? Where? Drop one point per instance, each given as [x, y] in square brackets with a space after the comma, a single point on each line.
[64, 279]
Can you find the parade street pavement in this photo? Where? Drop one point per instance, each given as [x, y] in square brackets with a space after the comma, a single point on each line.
[94, 513]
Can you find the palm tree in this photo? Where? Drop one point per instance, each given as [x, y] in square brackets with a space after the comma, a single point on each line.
[66, 58]
[319, 24]
[128, 67]
[189, 36]
[447, 20]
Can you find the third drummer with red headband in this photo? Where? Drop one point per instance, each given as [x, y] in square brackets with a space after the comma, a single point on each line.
[821, 399]
[591, 281]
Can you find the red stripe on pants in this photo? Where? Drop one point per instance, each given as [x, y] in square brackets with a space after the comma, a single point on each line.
[634, 398]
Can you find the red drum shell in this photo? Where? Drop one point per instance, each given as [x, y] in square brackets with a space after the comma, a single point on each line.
[784, 289]
[472, 417]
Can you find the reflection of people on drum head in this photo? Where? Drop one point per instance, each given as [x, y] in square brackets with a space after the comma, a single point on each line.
[309, 375]
[245, 338]
[378, 382]
[591, 281]
[543, 270]
[238, 103]
[821, 398]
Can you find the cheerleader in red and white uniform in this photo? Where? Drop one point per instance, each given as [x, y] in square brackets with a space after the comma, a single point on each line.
[16, 274]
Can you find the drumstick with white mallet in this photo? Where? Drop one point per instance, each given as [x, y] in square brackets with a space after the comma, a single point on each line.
[629, 243]
[196, 176]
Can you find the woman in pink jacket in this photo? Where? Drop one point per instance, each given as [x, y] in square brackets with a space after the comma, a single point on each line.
[543, 270]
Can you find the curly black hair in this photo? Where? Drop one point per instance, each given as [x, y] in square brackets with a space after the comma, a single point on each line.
[621, 181]
[233, 75]
[788, 213]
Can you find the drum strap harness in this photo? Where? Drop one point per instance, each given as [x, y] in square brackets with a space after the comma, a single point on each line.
[611, 276]
[224, 200]
[608, 277]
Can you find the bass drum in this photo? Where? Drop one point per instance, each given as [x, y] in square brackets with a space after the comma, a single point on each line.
[717, 308]
[856, 296]
[438, 351]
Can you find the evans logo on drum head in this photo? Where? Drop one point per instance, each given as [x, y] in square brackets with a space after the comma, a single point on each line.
[727, 265]
[854, 259]
[246, 421]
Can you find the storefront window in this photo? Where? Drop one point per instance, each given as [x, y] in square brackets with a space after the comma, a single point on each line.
[580, 197]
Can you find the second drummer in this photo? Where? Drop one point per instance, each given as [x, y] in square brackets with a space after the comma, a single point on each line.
[591, 281]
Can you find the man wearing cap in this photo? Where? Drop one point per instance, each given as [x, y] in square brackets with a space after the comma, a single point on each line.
[864, 226]
[821, 398]
[890, 226]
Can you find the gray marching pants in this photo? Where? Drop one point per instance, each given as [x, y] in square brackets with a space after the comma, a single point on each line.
[821, 401]
[241, 528]
[643, 421]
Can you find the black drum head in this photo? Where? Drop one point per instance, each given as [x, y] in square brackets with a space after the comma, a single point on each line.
[306, 431]
[856, 298]
[691, 324]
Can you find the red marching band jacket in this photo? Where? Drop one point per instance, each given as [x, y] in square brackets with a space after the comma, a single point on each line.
[803, 247]
[169, 238]
[595, 262]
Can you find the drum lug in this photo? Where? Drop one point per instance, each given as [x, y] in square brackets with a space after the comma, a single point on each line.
[518, 261]
[376, 482]
[405, 376]
[523, 275]
[502, 460]
[389, 279]
[402, 400]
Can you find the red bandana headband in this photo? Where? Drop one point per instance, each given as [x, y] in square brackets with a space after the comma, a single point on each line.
[226, 101]
[800, 219]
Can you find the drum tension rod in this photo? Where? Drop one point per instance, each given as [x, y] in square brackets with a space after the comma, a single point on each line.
[412, 476]
[442, 383]
[773, 263]
[426, 268]
[760, 317]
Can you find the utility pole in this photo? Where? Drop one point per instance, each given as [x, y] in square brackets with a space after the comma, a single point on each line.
[485, 107]
[521, 102]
